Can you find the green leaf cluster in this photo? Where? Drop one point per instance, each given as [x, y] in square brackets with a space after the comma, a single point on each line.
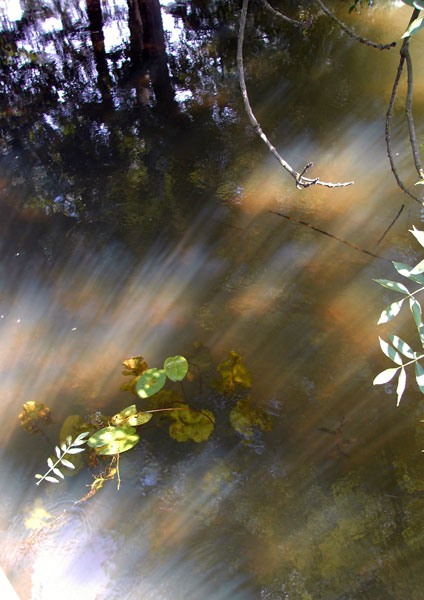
[243, 417]
[191, 424]
[399, 350]
[233, 372]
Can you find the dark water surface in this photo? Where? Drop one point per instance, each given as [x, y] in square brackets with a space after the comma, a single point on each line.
[134, 205]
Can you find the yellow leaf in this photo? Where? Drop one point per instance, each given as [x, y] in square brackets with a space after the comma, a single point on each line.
[232, 372]
[191, 424]
[243, 417]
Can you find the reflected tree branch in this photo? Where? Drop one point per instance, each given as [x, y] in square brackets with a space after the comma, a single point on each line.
[404, 52]
[280, 15]
[301, 180]
[350, 32]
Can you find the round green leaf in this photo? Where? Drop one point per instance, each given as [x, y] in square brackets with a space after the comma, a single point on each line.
[150, 382]
[176, 367]
[121, 418]
[113, 440]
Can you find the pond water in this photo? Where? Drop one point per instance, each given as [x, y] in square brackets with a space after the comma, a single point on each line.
[137, 219]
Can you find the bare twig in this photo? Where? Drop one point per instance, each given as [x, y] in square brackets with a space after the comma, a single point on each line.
[409, 117]
[334, 237]
[350, 32]
[277, 13]
[390, 226]
[389, 113]
[301, 181]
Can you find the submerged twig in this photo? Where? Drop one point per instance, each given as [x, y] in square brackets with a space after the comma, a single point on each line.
[350, 32]
[390, 226]
[404, 51]
[334, 237]
[301, 181]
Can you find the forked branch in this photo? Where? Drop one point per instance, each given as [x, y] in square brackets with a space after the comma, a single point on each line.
[404, 57]
[301, 180]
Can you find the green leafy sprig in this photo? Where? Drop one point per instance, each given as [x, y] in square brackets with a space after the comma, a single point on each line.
[68, 447]
[399, 348]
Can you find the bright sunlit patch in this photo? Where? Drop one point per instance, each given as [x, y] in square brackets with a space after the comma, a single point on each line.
[38, 516]
[11, 9]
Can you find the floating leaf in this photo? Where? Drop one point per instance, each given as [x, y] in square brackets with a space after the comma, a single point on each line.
[243, 417]
[130, 416]
[393, 285]
[390, 352]
[401, 385]
[74, 450]
[390, 311]
[176, 368]
[135, 365]
[405, 271]
[233, 372]
[191, 425]
[414, 27]
[122, 416]
[67, 463]
[50, 462]
[402, 346]
[420, 182]
[51, 479]
[58, 472]
[58, 452]
[33, 415]
[150, 382]
[113, 440]
[385, 376]
[38, 476]
[418, 234]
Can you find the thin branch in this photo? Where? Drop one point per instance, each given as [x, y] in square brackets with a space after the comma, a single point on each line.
[390, 226]
[334, 237]
[409, 117]
[390, 113]
[301, 181]
[350, 32]
[277, 13]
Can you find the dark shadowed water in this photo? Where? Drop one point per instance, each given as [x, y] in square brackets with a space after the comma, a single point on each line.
[135, 219]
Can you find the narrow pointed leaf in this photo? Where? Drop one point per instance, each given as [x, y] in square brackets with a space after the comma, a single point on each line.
[58, 472]
[390, 312]
[401, 385]
[405, 271]
[402, 346]
[390, 352]
[419, 268]
[419, 235]
[50, 463]
[81, 436]
[78, 442]
[51, 479]
[74, 450]
[415, 307]
[63, 447]
[393, 285]
[68, 440]
[419, 376]
[67, 463]
[58, 452]
[385, 376]
[414, 27]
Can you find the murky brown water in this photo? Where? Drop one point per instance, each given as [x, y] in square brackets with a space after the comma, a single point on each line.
[329, 503]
